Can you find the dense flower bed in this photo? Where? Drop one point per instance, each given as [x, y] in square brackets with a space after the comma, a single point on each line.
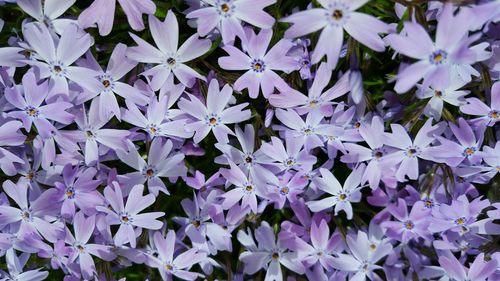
[249, 140]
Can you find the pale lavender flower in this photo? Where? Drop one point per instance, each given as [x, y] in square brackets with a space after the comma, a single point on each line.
[170, 58]
[342, 196]
[127, 215]
[179, 265]
[479, 270]
[450, 93]
[408, 226]
[49, 13]
[214, 116]
[15, 266]
[288, 188]
[291, 157]
[102, 13]
[82, 250]
[226, 16]
[333, 17]
[259, 63]
[31, 109]
[162, 162]
[489, 115]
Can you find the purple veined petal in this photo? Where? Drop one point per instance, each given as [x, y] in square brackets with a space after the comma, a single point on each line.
[85, 77]
[83, 227]
[134, 10]
[305, 22]
[166, 33]
[290, 118]
[148, 220]
[319, 235]
[463, 132]
[144, 52]
[346, 207]
[121, 235]
[207, 19]
[158, 76]
[359, 246]
[11, 56]
[373, 174]
[438, 77]
[329, 44]
[130, 93]
[136, 202]
[14, 97]
[134, 116]
[365, 29]
[193, 107]
[236, 60]
[320, 205]
[18, 193]
[264, 234]
[188, 258]
[186, 75]
[201, 132]
[49, 231]
[417, 44]
[250, 81]
[355, 4]
[252, 12]
[426, 134]
[399, 210]
[187, 275]
[101, 12]
[108, 106]
[37, 35]
[221, 133]
[87, 265]
[192, 48]
[72, 44]
[288, 99]
[409, 76]
[9, 133]
[453, 267]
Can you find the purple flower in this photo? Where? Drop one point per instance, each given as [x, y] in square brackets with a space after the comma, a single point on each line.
[260, 65]
[170, 58]
[162, 162]
[32, 216]
[214, 116]
[489, 115]
[408, 226]
[449, 93]
[15, 265]
[268, 254]
[102, 13]
[30, 108]
[49, 13]
[333, 17]
[54, 60]
[342, 196]
[226, 16]
[127, 216]
[10, 136]
[291, 157]
[288, 188]
[438, 63]
[82, 250]
[179, 265]
[479, 270]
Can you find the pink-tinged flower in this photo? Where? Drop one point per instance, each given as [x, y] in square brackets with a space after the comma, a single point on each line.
[409, 151]
[333, 17]
[342, 196]
[317, 98]
[373, 134]
[78, 189]
[305, 220]
[102, 13]
[31, 109]
[462, 217]
[127, 215]
[479, 270]
[363, 259]
[119, 65]
[287, 189]
[15, 266]
[259, 63]
[49, 13]
[82, 250]
[408, 226]
[245, 190]
[467, 148]
[162, 162]
[91, 133]
[155, 122]
[291, 157]
[170, 58]
[312, 130]
[489, 115]
[177, 265]
[214, 116]
[323, 246]
[269, 254]
[227, 15]
[10, 136]
[54, 60]
[439, 62]
[450, 93]
[32, 216]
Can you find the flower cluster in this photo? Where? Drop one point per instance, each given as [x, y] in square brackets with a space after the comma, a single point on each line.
[249, 140]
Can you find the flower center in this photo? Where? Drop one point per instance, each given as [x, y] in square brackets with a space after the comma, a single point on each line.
[196, 223]
[70, 192]
[106, 83]
[249, 188]
[25, 215]
[438, 94]
[409, 225]
[168, 267]
[373, 247]
[125, 218]
[429, 203]
[258, 65]
[31, 111]
[150, 172]
[80, 248]
[153, 129]
[357, 125]
[212, 120]
[57, 68]
[284, 190]
[224, 7]
[494, 114]
[342, 196]
[469, 151]
[30, 176]
[438, 57]
[337, 14]
[248, 159]
[171, 61]
[275, 255]
[460, 221]
[378, 154]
